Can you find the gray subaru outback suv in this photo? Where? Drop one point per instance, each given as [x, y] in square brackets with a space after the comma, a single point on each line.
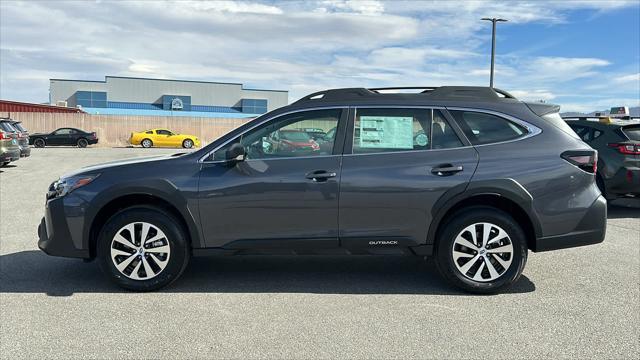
[468, 175]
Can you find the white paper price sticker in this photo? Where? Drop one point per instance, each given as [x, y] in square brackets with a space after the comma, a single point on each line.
[388, 132]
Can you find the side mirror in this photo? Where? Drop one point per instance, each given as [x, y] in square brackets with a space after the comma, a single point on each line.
[236, 153]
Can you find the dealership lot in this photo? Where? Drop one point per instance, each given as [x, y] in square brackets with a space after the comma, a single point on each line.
[580, 302]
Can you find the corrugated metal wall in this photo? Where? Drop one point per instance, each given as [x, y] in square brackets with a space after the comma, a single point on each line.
[115, 130]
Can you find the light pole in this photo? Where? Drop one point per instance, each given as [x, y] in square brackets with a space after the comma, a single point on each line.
[493, 44]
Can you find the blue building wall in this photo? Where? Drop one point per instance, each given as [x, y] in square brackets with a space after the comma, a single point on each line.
[96, 102]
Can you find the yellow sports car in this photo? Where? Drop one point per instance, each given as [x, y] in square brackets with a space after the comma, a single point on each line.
[163, 138]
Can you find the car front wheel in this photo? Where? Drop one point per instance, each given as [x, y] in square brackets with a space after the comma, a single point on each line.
[143, 249]
[187, 144]
[481, 250]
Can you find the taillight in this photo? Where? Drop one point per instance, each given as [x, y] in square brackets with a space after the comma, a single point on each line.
[584, 159]
[627, 149]
[4, 136]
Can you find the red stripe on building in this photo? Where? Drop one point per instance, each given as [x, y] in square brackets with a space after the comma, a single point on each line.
[15, 106]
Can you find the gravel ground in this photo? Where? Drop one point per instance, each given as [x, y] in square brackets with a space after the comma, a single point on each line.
[577, 303]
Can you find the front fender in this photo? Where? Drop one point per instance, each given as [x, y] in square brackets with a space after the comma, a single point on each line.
[158, 188]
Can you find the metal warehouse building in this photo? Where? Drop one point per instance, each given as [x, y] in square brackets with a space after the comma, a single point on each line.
[141, 96]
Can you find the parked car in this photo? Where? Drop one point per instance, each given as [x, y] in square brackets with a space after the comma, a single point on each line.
[163, 138]
[618, 145]
[22, 135]
[497, 177]
[288, 142]
[9, 148]
[316, 134]
[64, 136]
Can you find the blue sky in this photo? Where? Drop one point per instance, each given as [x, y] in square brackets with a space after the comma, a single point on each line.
[583, 55]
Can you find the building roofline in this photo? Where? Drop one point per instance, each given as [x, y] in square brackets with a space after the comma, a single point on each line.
[176, 80]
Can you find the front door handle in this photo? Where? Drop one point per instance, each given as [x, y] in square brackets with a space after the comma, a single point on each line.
[320, 175]
[446, 169]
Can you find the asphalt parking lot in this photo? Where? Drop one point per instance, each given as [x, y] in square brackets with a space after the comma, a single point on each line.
[582, 302]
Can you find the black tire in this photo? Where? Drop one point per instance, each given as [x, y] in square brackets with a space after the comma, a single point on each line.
[146, 143]
[176, 238]
[4, 164]
[39, 143]
[82, 143]
[469, 216]
[187, 143]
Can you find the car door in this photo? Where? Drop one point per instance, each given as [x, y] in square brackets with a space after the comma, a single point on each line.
[59, 137]
[164, 138]
[276, 197]
[398, 162]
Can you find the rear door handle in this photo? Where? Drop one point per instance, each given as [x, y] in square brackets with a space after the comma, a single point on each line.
[446, 169]
[320, 175]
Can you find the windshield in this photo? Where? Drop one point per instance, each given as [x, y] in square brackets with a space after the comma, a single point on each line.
[7, 127]
[295, 136]
[556, 120]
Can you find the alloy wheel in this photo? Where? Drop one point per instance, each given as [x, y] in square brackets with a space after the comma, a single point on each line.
[188, 144]
[140, 251]
[482, 252]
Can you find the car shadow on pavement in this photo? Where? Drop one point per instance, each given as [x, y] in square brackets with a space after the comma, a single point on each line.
[623, 212]
[36, 272]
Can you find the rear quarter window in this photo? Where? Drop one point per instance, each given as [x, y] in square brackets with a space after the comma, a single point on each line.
[482, 128]
[632, 132]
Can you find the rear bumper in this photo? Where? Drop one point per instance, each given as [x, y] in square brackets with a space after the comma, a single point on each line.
[92, 141]
[625, 182]
[25, 151]
[591, 230]
[54, 236]
[10, 155]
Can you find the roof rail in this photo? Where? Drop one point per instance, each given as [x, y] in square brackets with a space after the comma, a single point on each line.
[425, 88]
[431, 92]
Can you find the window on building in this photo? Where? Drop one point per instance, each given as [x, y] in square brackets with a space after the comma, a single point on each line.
[92, 99]
[254, 106]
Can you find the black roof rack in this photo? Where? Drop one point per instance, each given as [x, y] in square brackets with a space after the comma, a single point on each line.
[428, 92]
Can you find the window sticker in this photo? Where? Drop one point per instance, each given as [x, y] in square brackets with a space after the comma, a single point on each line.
[388, 132]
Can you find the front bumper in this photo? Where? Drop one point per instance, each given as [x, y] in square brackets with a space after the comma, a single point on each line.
[591, 230]
[54, 234]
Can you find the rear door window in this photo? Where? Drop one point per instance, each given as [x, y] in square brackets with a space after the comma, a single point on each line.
[378, 130]
[483, 128]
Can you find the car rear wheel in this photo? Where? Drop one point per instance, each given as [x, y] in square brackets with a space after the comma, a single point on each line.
[4, 164]
[146, 143]
[187, 144]
[39, 143]
[82, 143]
[481, 250]
[143, 248]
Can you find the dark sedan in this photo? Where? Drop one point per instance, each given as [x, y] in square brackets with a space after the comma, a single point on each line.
[64, 137]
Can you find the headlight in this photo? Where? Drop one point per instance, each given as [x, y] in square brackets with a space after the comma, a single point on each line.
[66, 185]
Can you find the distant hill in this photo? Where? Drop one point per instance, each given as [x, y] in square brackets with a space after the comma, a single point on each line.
[633, 112]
